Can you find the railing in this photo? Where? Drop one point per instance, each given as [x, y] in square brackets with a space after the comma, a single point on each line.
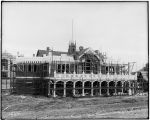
[95, 76]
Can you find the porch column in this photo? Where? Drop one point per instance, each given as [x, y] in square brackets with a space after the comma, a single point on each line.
[64, 89]
[115, 69]
[115, 88]
[107, 88]
[49, 89]
[121, 69]
[108, 70]
[133, 88]
[100, 69]
[74, 67]
[54, 92]
[130, 91]
[83, 89]
[74, 90]
[122, 87]
[100, 89]
[128, 68]
[65, 68]
[60, 67]
[91, 88]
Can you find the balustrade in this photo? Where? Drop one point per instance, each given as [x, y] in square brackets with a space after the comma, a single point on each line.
[94, 76]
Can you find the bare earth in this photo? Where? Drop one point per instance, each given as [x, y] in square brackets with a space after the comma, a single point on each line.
[17, 107]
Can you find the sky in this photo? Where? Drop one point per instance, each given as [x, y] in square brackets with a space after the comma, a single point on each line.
[118, 28]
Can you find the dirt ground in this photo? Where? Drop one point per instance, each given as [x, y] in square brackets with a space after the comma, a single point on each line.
[37, 107]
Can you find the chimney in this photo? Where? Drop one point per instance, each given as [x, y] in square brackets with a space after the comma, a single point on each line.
[47, 49]
[33, 55]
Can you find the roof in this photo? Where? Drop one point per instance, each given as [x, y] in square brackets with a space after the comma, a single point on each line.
[6, 55]
[33, 59]
[40, 53]
[44, 56]
[144, 75]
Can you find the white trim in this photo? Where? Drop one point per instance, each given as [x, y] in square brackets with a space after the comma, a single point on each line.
[28, 77]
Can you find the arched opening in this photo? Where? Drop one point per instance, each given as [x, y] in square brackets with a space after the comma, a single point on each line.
[78, 88]
[111, 88]
[69, 88]
[60, 88]
[104, 88]
[119, 87]
[96, 88]
[87, 88]
[125, 87]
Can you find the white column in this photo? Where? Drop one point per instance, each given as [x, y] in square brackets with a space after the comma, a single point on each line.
[91, 88]
[107, 88]
[65, 68]
[74, 67]
[83, 94]
[48, 89]
[133, 89]
[54, 92]
[115, 88]
[100, 69]
[8, 67]
[100, 89]
[121, 69]
[122, 87]
[64, 89]
[115, 69]
[108, 70]
[130, 91]
[128, 68]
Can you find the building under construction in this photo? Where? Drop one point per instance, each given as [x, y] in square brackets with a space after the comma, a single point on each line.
[83, 72]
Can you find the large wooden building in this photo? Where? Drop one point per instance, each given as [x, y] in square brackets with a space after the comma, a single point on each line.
[83, 72]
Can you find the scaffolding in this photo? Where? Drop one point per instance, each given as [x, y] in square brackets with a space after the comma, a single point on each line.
[29, 78]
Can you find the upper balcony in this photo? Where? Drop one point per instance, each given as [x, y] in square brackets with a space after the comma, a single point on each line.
[94, 77]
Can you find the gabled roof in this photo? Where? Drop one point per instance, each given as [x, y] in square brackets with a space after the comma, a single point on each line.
[86, 51]
[40, 53]
[144, 74]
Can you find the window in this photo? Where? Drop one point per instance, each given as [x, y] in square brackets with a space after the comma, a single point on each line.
[63, 68]
[35, 68]
[45, 67]
[59, 68]
[4, 74]
[4, 64]
[67, 68]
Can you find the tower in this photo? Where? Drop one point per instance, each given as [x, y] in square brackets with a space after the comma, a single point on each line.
[72, 48]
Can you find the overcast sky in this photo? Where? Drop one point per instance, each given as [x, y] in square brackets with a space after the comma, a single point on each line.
[117, 28]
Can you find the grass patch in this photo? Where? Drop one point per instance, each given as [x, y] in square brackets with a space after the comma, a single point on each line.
[129, 101]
